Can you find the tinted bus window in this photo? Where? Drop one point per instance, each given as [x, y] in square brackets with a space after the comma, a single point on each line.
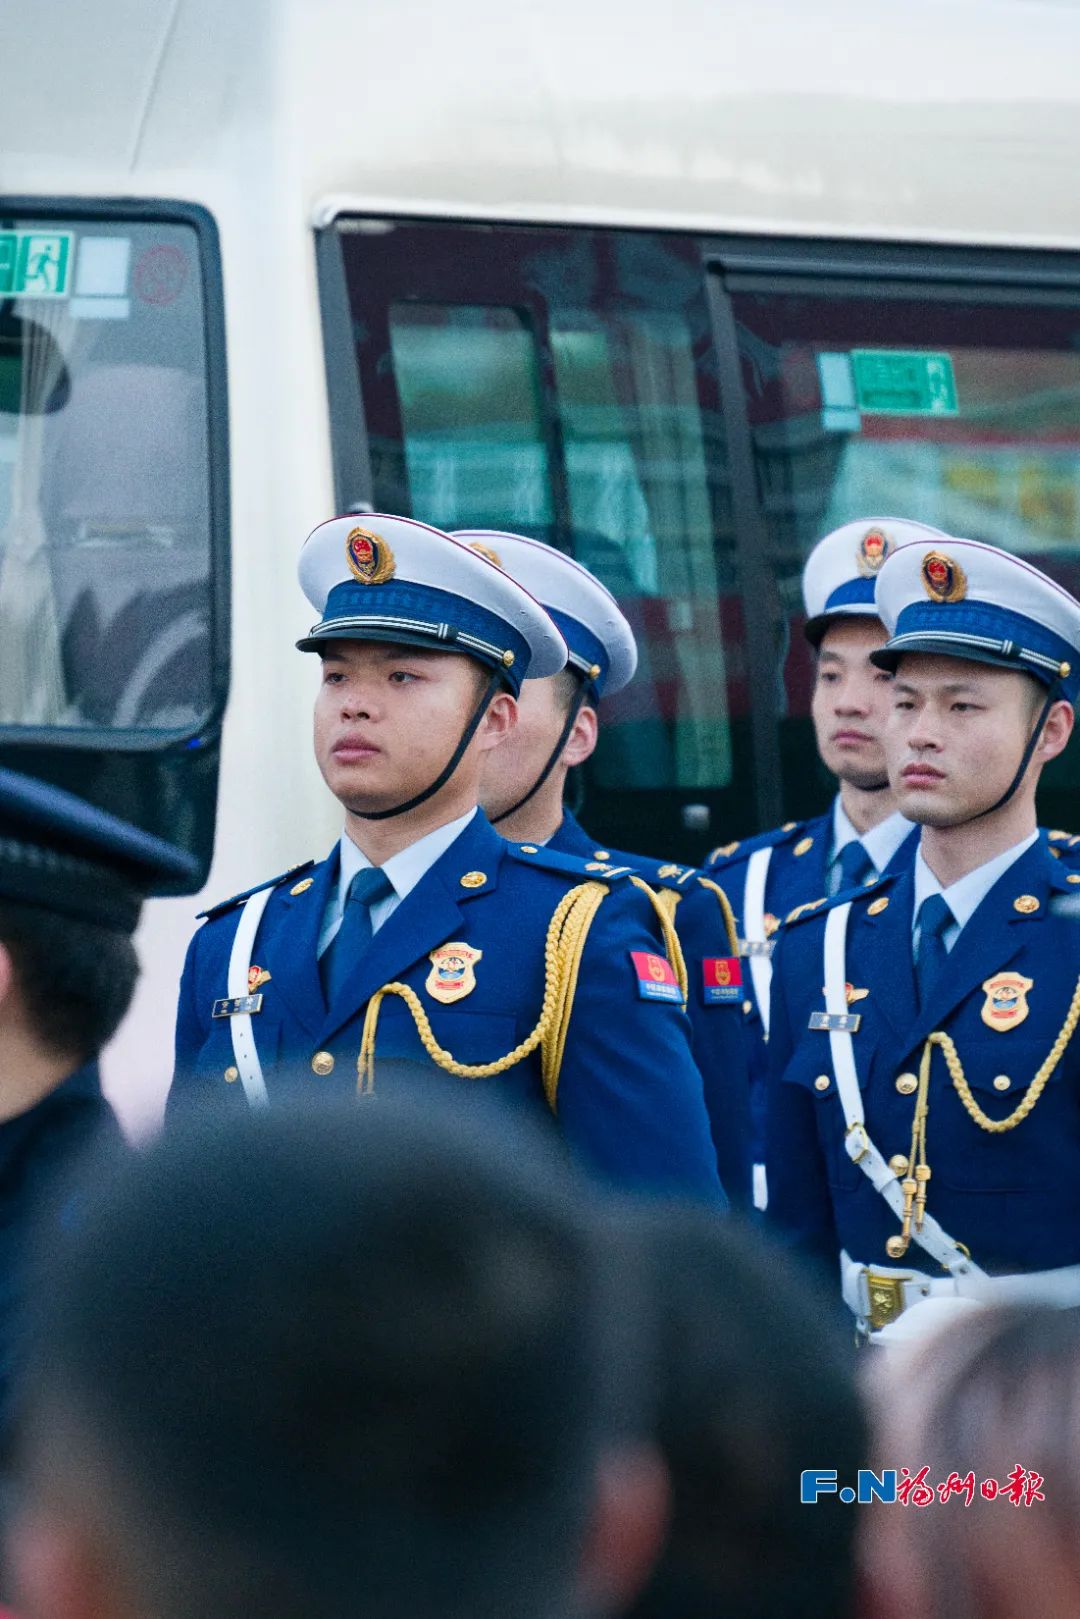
[562, 383]
[105, 509]
[963, 412]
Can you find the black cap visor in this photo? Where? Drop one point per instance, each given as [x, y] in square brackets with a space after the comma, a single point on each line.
[888, 657]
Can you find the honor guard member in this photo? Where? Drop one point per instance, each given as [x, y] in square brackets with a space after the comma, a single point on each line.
[524, 780]
[424, 938]
[729, 946]
[924, 1085]
[72, 881]
[558, 723]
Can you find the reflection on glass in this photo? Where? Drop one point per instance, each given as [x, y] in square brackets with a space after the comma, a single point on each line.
[104, 478]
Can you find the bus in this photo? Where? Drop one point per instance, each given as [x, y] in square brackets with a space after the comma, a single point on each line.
[678, 291]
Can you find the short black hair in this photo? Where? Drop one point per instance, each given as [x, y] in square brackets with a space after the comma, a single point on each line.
[327, 1365]
[76, 978]
[754, 1384]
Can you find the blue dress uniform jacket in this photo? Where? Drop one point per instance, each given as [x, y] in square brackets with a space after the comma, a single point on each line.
[723, 1076]
[797, 876]
[36, 1149]
[1013, 1198]
[629, 1096]
[572, 838]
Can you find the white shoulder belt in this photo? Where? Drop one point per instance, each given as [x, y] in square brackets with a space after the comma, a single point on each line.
[243, 1038]
[757, 872]
[860, 1149]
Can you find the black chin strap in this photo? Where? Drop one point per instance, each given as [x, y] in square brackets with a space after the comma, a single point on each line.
[564, 736]
[448, 770]
[1052, 697]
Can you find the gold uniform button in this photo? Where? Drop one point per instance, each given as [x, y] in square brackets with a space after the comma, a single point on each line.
[529, 848]
[474, 879]
[789, 826]
[748, 1007]
[231, 1075]
[803, 845]
[302, 886]
[907, 1084]
[821, 1083]
[898, 1164]
[1073, 877]
[1002, 1082]
[594, 865]
[322, 1063]
[876, 907]
[1026, 904]
[602, 854]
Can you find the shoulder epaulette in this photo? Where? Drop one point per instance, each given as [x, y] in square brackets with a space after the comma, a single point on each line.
[874, 893]
[238, 899]
[568, 865]
[662, 873]
[745, 847]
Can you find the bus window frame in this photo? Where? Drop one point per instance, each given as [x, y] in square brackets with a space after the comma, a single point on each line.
[162, 211]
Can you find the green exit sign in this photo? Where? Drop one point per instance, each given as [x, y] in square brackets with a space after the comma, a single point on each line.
[35, 264]
[903, 382]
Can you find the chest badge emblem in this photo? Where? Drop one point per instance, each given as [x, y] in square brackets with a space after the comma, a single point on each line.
[1006, 1000]
[257, 977]
[451, 977]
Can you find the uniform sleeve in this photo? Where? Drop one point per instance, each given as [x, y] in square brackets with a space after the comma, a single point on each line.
[188, 1084]
[721, 1049]
[630, 1097]
[800, 1211]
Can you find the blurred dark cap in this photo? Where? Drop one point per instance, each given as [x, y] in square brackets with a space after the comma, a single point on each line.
[65, 855]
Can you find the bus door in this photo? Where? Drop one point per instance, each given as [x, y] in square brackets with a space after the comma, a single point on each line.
[936, 384]
[563, 383]
[114, 551]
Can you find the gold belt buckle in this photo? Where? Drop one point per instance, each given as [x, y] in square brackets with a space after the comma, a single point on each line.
[886, 1297]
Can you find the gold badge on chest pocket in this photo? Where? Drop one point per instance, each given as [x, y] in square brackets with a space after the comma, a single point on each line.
[1006, 1000]
[451, 977]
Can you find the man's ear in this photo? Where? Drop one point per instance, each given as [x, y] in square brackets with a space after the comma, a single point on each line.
[582, 739]
[1057, 731]
[500, 718]
[627, 1529]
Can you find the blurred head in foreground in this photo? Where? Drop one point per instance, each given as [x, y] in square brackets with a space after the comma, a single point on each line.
[327, 1366]
[754, 1384]
[992, 1403]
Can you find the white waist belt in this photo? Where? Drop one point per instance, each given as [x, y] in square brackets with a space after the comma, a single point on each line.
[860, 1284]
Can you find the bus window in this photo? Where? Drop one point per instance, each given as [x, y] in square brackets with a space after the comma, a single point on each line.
[561, 383]
[960, 412]
[105, 510]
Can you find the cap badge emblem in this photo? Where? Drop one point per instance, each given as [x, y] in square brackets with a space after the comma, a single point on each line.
[370, 559]
[486, 551]
[874, 547]
[943, 579]
[1006, 1000]
[451, 977]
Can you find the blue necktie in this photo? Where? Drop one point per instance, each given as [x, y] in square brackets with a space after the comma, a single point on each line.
[853, 865]
[338, 960]
[934, 917]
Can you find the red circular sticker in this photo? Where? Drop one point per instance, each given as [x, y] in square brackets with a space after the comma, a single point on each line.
[160, 274]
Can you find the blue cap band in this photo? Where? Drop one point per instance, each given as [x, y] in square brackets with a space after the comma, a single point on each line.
[421, 615]
[853, 592]
[586, 651]
[985, 632]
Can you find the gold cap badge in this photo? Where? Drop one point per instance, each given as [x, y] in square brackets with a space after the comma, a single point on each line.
[370, 559]
[874, 548]
[488, 552]
[943, 579]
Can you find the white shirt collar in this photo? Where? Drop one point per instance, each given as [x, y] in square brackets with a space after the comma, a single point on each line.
[880, 843]
[405, 868]
[966, 895]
